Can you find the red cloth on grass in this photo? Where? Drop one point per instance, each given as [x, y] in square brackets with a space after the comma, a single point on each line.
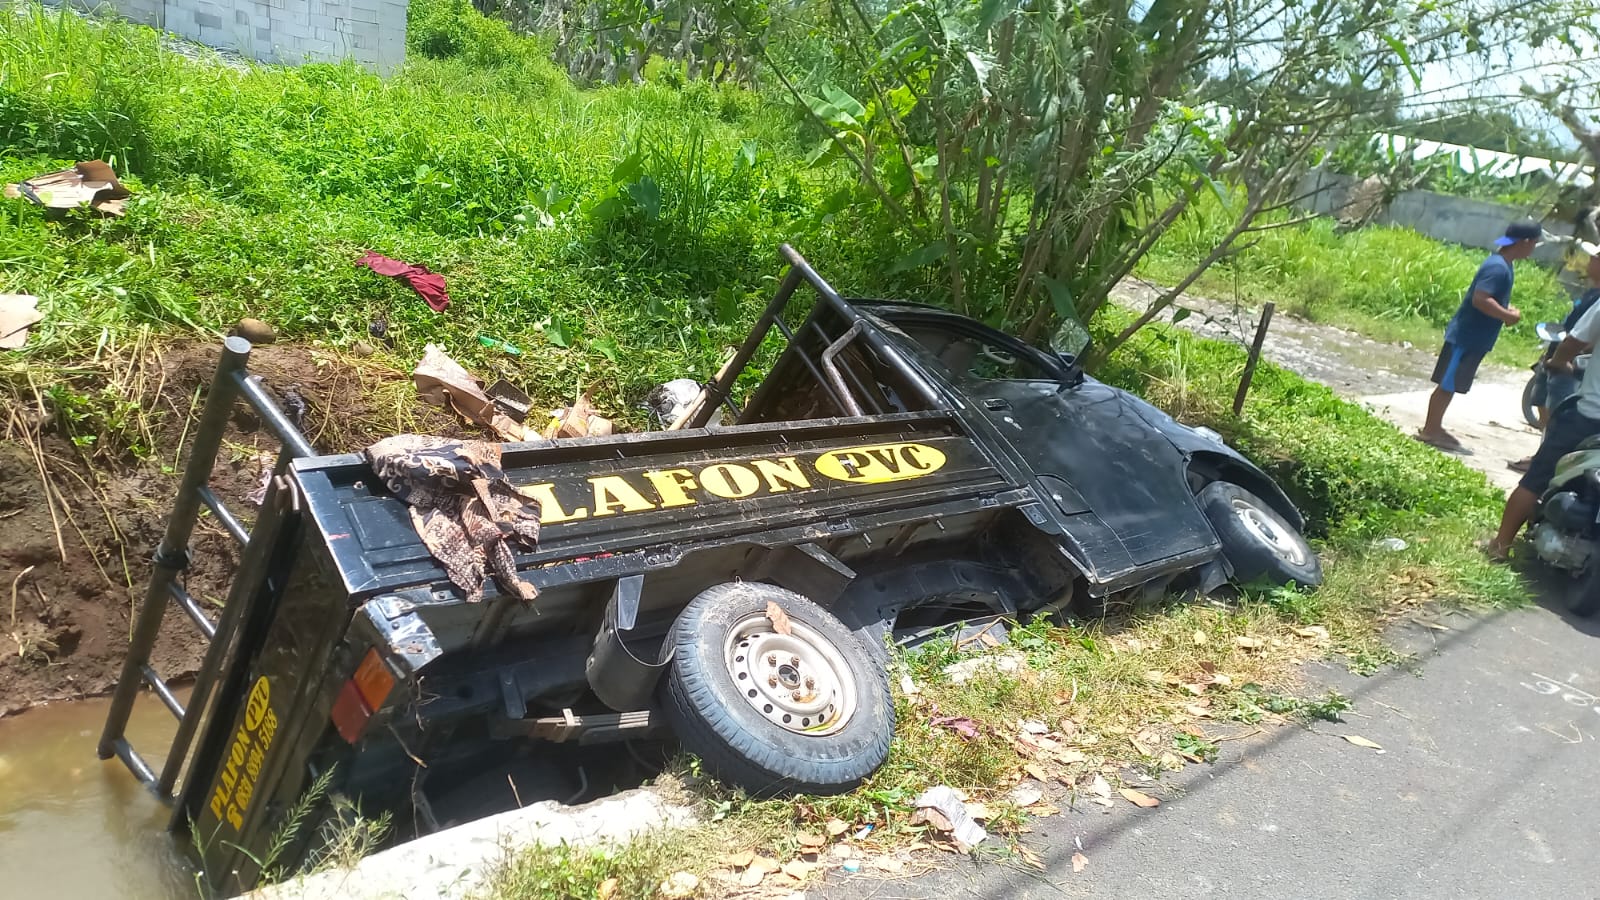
[427, 285]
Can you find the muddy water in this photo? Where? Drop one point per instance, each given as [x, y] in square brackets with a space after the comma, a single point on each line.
[73, 826]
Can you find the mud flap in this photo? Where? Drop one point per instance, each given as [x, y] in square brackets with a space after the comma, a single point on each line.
[621, 676]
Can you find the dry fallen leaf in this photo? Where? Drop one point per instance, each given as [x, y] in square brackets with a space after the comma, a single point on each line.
[1199, 637]
[809, 840]
[1079, 861]
[1038, 773]
[1360, 741]
[751, 877]
[933, 818]
[799, 870]
[779, 618]
[1139, 798]
[765, 864]
[1248, 642]
[679, 886]
[1068, 757]
[1043, 810]
[1031, 858]
[740, 860]
[1197, 710]
[888, 864]
[979, 811]
[837, 827]
[607, 889]
[1314, 632]
[1100, 787]
[1168, 761]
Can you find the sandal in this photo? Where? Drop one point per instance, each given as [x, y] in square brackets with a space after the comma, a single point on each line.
[1494, 551]
[1521, 465]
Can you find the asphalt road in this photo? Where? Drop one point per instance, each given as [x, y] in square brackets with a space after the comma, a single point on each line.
[1485, 788]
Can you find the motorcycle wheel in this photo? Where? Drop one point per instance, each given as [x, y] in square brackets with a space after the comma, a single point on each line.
[1583, 594]
[1531, 395]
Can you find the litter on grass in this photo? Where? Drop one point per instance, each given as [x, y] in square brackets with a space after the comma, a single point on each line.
[93, 184]
[17, 313]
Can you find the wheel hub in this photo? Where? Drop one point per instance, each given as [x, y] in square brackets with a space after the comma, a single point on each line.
[1269, 531]
[798, 681]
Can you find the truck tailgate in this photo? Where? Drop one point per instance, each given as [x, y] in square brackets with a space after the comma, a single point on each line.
[661, 494]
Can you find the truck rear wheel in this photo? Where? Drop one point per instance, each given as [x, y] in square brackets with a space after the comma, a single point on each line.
[796, 705]
[1258, 542]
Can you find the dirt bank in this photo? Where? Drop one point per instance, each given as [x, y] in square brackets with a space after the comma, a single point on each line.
[70, 581]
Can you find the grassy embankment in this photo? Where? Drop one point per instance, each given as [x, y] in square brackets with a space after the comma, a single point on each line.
[621, 237]
[1386, 282]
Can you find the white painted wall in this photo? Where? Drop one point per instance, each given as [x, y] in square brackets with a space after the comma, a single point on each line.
[371, 32]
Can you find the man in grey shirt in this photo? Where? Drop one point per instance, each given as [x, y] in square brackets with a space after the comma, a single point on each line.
[1574, 420]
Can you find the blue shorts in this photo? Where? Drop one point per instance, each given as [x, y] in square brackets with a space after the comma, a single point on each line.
[1456, 368]
[1558, 389]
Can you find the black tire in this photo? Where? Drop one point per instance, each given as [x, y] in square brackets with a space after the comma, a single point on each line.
[717, 720]
[1258, 543]
[1532, 395]
[1583, 595]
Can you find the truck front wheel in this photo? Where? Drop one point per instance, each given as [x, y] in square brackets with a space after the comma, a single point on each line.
[776, 703]
[1258, 542]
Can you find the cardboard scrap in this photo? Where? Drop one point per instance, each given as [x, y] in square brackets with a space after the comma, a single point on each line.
[17, 312]
[91, 184]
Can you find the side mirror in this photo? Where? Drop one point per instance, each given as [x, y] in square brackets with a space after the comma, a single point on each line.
[1070, 340]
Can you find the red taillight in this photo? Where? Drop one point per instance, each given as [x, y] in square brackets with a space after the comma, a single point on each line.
[361, 696]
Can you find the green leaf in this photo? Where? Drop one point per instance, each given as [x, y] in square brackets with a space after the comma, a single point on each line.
[844, 102]
[605, 346]
[980, 70]
[1060, 298]
[607, 209]
[825, 152]
[1405, 58]
[917, 258]
[726, 305]
[647, 194]
[748, 152]
[628, 169]
[556, 332]
[1181, 314]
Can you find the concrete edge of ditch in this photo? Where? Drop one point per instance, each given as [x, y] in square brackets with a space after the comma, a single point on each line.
[455, 862]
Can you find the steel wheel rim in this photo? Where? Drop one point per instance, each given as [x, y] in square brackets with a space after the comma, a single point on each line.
[1268, 530]
[797, 681]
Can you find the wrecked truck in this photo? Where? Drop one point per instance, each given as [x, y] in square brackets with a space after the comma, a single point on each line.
[899, 470]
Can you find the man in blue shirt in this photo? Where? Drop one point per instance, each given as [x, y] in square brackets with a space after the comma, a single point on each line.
[1476, 326]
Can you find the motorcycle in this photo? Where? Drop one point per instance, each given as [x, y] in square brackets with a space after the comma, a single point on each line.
[1550, 334]
[1565, 529]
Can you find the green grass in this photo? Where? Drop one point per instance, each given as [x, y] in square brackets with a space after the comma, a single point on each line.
[584, 227]
[1387, 282]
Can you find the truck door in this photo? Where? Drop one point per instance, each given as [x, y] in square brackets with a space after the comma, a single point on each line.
[1121, 485]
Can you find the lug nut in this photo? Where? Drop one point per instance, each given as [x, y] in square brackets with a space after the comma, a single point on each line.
[796, 696]
[794, 661]
[810, 682]
[772, 660]
[772, 681]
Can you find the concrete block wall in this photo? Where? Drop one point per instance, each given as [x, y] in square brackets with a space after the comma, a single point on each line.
[371, 32]
[1460, 220]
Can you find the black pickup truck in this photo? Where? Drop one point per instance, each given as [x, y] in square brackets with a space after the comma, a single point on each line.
[900, 469]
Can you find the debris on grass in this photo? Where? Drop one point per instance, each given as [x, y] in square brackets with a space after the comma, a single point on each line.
[429, 285]
[1139, 798]
[93, 184]
[18, 312]
[1360, 741]
[944, 810]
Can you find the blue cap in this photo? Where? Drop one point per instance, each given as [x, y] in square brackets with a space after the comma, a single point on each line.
[1520, 231]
